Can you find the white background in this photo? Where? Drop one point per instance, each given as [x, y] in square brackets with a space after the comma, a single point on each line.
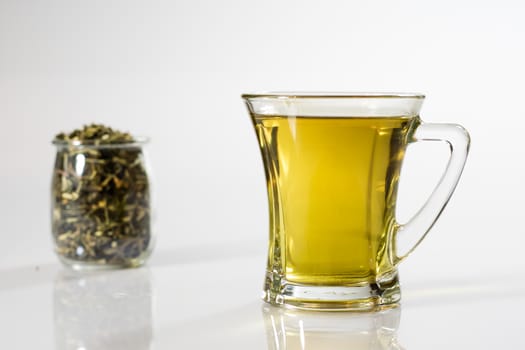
[174, 71]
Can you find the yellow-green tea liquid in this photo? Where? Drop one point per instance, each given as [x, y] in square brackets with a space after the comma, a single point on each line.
[332, 185]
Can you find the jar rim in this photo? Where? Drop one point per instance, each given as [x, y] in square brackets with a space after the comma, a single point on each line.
[136, 142]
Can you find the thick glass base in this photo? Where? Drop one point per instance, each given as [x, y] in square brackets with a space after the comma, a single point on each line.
[361, 297]
[103, 265]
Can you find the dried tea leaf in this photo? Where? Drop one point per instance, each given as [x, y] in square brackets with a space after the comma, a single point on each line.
[101, 197]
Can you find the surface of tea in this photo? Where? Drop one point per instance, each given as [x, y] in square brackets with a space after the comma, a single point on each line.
[332, 184]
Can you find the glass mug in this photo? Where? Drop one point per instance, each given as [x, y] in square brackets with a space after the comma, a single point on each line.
[332, 164]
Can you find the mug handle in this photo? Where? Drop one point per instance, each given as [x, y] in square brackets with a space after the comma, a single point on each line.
[420, 224]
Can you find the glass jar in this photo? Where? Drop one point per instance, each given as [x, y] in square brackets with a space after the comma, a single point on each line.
[101, 204]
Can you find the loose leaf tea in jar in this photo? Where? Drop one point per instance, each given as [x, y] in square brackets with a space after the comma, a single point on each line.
[101, 206]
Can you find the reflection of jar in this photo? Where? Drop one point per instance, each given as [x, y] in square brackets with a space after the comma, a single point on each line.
[103, 310]
[297, 329]
[101, 215]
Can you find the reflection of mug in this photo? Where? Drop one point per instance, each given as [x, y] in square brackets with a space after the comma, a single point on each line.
[332, 165]
[103, 310]
[296, 329]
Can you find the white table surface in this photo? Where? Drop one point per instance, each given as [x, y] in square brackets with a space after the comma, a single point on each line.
[207, 297]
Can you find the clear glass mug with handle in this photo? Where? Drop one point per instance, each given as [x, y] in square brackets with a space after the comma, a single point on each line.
[332, 164]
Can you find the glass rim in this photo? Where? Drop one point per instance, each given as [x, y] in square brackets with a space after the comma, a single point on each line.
[335, 95]
[136, 142]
